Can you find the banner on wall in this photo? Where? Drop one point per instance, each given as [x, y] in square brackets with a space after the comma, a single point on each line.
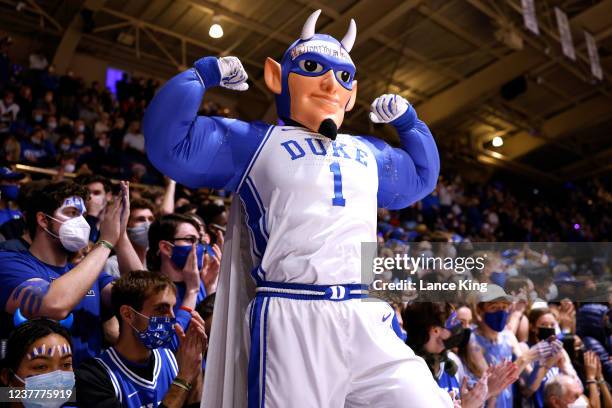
[529, 16]
[593, 56]
[566, 35]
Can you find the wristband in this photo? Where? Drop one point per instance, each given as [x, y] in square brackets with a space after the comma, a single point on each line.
[106, 244]
[591, 382]
[187, 309]
[178, 384]
[181, 383]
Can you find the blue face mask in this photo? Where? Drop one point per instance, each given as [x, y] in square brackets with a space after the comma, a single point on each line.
[158, 333]
[181, 252]
[59, 379]
[496, 320]
[10, 192]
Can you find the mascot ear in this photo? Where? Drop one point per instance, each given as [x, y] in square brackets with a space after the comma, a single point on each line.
[353, 98]
[272, 75]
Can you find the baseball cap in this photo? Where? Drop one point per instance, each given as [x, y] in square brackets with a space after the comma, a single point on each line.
[494, 293]
[8, 174]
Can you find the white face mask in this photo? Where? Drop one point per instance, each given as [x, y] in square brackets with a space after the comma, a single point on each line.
[98, 199]
[55, 380]
[73, 233]
[553, 292]
[579, 403]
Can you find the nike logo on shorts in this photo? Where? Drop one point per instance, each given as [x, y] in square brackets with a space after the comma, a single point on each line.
[384, 319]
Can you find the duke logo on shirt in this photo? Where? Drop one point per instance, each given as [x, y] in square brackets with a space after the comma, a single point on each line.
[317, 147]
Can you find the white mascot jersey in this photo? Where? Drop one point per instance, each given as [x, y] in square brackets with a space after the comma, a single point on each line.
[310, 202]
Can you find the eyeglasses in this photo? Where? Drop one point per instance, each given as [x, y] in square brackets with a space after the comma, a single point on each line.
[191, 239]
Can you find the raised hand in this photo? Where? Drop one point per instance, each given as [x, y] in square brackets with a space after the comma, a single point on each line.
[124, 196]
[233, 74]
[475, 397]
[544, 350]
[567, 315]
[590, 365]
[191, 274]
[388, 107]
[500, 377]
[212, 264]
[110, 227]
[191, 348]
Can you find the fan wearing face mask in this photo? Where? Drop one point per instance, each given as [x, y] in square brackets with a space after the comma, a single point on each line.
[564, 391]
[433, 329]
[100, 194]
[177, 252]
[39, 357]
[41, 282]
[140, 370]
[492, 343]
[141, 216]
[543, 327]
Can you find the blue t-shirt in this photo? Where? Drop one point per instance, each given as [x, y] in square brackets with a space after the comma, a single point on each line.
[496, 353]
[448, 382]
[37, 153]
[537, 399]
[86, 331]
[8, 214]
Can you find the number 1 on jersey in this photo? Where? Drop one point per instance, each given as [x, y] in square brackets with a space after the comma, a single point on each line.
[338, 199]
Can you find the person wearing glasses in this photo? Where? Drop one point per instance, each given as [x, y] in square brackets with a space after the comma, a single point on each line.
[176, 250]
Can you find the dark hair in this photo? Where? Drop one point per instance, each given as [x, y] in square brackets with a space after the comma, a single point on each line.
[164, 228]
[68, 156]
[87, 179]
[206, 307]
[210, 211]
[140, 204]
[49, 197]
[24, 335]
[419, 317]
[186, 209]
[135, 287]
[196, 218]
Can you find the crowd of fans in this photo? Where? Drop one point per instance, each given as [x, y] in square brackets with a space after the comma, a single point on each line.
[134, 268]
[59, 122]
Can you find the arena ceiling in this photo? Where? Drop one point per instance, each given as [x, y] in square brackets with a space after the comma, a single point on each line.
[450, 58]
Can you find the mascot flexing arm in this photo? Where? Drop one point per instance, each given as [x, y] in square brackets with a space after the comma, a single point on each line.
[308, 195]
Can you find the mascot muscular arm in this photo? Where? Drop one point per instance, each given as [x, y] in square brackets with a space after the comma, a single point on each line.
[200, 151]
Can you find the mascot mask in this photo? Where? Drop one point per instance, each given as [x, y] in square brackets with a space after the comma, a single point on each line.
[315, 55]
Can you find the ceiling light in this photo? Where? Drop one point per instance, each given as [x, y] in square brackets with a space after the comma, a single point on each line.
[215, 31]
[497, 141]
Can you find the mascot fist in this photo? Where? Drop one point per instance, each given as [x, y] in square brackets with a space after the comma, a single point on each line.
[233, 75]
[388, 107]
